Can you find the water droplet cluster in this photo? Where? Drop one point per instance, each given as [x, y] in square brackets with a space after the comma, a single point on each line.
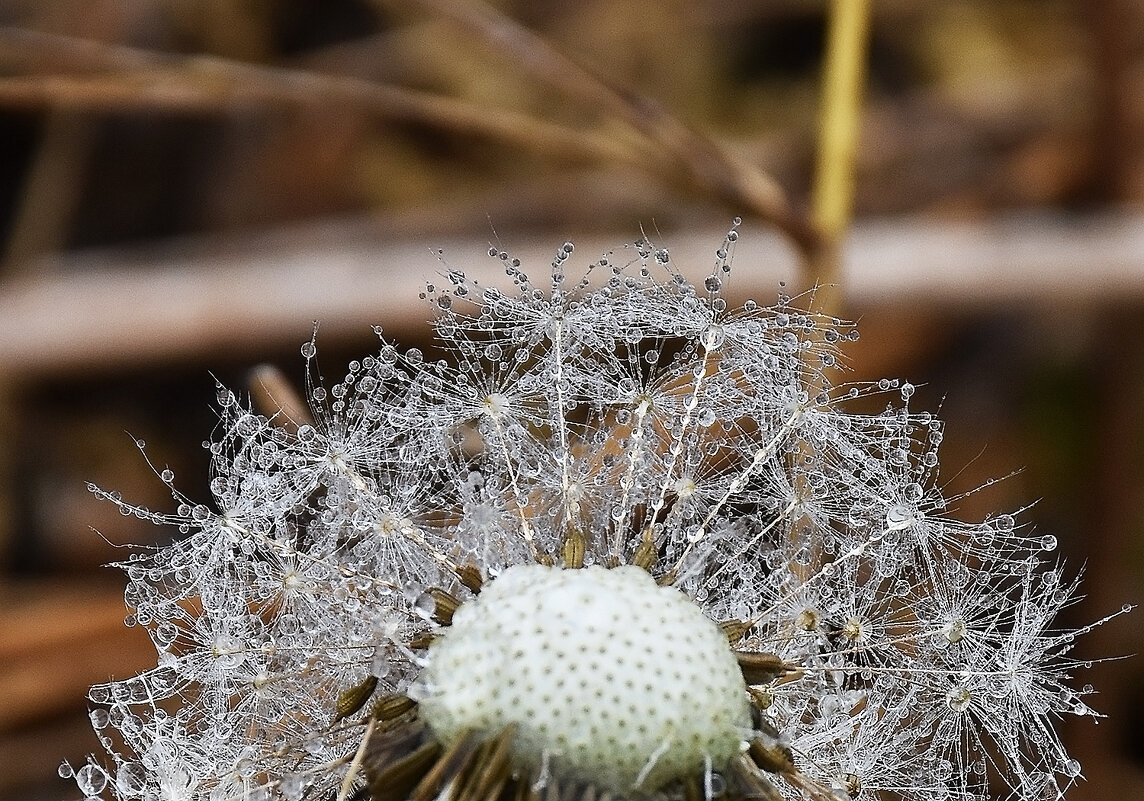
[624, 408]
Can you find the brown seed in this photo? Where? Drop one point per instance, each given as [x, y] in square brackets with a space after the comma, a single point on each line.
[760, 668]
[353, 699]
[492, 769]
[444, 605]
[396, 779]
[522, 789]
[772, 758]
[750, 781]
[470, 576]
[572, 551]
[645, 554]
[390, 707]
[422, 641]
[736, 629]
[453, 762]
[762, 699]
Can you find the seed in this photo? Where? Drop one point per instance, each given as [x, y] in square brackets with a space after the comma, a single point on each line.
[760, 668]
[444, 605]
[353, 699]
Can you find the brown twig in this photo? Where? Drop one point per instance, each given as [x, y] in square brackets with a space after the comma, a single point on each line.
[272, 394]
[145, 79]
[119, 77]
[670, 145]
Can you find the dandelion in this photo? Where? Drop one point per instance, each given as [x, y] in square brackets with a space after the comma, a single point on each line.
[615, 540]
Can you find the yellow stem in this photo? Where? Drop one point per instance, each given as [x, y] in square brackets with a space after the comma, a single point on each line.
[833, 197]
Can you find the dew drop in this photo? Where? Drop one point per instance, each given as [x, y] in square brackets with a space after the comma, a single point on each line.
[425, 605]
[712, 336]
[309, 350]
[898, 517]
[130, 780]
[91, 779]
[958, 699]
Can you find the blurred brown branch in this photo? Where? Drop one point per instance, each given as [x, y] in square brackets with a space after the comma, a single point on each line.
[80, 318]
[116, 77]
[671, 145]
[119, 77]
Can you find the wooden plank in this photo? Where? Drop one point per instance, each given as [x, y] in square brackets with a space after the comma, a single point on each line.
[102, 310]
[56, 640]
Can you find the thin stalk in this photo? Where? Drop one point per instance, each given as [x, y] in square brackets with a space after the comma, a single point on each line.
[832, 201]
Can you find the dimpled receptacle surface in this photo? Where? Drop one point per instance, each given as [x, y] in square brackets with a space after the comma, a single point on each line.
[611, 678]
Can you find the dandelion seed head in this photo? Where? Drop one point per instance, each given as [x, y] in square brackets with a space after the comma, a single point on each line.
[609, 535]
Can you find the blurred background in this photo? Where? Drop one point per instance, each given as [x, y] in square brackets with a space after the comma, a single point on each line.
[187, 186]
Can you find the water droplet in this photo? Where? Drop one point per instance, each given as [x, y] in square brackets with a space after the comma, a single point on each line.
[958, 699]
[899, 517]
[130, 780]
[309, 350]
[712, 283]
[955, 631]
[712, 336]
[91, 779]
[425, 605]
[1049, 542]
